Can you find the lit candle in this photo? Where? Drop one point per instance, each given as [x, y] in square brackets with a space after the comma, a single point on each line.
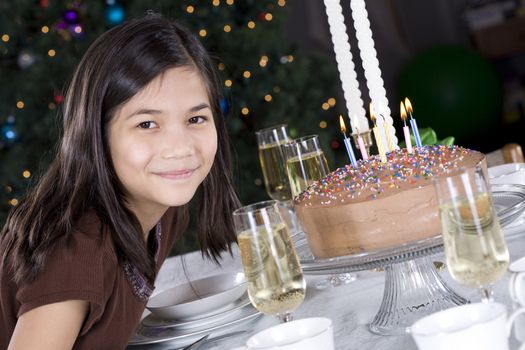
[389, 142]
[360, 142]
[413, 122]
[348, 145]
[374, 81]
[406, 131]
[345, 64]
[377, 136]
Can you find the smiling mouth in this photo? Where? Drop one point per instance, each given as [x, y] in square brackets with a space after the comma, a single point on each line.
[176, 174]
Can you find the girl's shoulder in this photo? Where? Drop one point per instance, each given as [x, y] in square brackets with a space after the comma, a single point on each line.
[91, 234]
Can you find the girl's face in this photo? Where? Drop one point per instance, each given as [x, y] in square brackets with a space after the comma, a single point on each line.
[163, 142]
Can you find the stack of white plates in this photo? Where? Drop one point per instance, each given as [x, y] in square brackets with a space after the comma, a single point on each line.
[183, 314]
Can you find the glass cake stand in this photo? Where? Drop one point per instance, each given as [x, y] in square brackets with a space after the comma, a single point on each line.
[413, 287]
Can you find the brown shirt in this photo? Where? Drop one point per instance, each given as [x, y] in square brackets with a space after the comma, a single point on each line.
[86, 269]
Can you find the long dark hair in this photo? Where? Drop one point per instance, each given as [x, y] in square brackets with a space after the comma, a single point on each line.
[117, 65]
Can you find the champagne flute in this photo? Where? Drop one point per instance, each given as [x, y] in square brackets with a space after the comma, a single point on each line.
[475, 248]
[305, 164]
[276, 285]
[270, 142]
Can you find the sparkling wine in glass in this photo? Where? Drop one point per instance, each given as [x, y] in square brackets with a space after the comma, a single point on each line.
[475, 248]
[270, 142]
[305, 163]
[276, 285]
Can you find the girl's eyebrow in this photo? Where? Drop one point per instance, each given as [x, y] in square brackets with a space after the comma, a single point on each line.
[156, 111]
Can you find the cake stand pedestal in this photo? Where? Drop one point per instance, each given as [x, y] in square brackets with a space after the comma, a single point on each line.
[413, 287]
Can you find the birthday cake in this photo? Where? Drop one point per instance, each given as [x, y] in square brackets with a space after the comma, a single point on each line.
[378, 205]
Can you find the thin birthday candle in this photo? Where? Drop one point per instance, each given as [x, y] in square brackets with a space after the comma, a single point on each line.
[348, 145]
[413, 122]
[406, 131]
[377, 135]
[389, 142]
[360, 142]
[345, 64]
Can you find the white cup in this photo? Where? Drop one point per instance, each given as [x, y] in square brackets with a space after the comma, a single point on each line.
[312, 333]
[480, 326]
[517, 294]
[517, 281]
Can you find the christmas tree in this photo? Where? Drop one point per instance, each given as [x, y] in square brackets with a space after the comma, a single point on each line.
[266, 80]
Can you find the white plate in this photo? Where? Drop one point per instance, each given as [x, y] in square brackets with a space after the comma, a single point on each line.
[153, 320]
[198, 298]
[180, 337]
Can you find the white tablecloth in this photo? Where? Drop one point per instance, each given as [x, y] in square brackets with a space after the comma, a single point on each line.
[351, 307]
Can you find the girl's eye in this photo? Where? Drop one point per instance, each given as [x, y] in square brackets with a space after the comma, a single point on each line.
[147, 125]
[196, 120]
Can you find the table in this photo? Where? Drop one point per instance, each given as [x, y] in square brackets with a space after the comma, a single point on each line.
[351, 307]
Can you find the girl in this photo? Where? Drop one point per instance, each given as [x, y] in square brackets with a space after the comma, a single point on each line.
[142, 132]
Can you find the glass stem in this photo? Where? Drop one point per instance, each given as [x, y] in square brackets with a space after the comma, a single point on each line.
[287, 317]
[486, 295]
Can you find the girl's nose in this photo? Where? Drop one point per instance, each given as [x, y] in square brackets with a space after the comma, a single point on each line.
[177, 144]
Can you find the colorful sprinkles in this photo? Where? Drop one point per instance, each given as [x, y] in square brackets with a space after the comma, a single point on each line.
[372, 178]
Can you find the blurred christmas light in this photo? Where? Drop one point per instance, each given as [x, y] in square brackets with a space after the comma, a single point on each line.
[290, 58]
[325, 106]
[227, 28]
[114, 14]
[203, 32]
[258, 182]
[229, 2]
[246, 74]
[251, 24]
[263, 61]
[335, 144]
[245, 111]
[228, 83]
[216, 2]
[8, 189]
[5, 38]
[190, 9]
[268, 98]
[331, 101]
[51, 53]
[281, 3]
[13, 202]
[323, 124]
[77, 29]
[25, 59]
[222, 66]
[51, 105]
[45, 29]
[70, 16]
[26, 174]
[20, 104]
[268, 17]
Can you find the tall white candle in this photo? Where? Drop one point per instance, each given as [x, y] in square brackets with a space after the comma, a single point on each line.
[345, 65]
[371, 67]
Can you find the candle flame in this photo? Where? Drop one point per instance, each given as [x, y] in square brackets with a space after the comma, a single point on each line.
[409, 106]
[372, 113]
[403, 112]
[342, 124]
